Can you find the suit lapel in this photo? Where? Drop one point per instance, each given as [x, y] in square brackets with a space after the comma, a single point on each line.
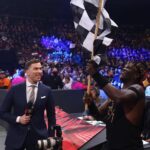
[23, 93]
[38, 94]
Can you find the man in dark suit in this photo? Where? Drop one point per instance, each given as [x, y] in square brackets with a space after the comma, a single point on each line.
[27, 123]
[53, 80]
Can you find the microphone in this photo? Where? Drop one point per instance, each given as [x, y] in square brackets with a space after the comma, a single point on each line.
[29, 109]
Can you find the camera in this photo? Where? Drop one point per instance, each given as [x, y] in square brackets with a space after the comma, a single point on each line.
[54, 143]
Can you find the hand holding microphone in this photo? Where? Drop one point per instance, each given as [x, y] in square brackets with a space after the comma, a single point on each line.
[25, 119]
[29, 108]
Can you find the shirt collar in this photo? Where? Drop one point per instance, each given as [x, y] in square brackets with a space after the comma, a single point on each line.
[28, 84]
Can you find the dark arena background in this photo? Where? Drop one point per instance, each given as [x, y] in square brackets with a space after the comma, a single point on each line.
[44, 29]
[8, 59]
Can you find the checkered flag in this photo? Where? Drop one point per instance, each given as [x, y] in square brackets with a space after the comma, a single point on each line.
[84, 13]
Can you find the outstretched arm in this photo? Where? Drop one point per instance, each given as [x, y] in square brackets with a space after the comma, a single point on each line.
[128, 94]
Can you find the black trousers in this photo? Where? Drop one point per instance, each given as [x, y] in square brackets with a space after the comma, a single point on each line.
[30, 142]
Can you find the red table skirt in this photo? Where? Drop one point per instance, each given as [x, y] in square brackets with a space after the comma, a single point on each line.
[75, 132]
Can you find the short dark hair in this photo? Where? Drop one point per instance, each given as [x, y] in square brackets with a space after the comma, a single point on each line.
[30, 62]
[140, 68]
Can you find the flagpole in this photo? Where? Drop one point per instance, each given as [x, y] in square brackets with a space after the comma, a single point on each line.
[95, 36]
[97, 23]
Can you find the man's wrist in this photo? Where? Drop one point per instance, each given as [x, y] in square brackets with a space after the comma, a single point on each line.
[101, 81]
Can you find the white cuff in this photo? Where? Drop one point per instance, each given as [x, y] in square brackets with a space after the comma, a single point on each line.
[18, 119]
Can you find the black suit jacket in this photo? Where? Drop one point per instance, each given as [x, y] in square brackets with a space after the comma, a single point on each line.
[16, 99]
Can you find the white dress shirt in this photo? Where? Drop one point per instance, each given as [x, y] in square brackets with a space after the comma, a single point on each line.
[29, 89]
[28, 92]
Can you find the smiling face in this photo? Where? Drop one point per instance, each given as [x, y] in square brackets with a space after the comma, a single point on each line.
[130, 73]
[34, 72]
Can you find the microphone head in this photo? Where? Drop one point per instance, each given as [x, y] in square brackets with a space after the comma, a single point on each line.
[29, 105]
[29, 108]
